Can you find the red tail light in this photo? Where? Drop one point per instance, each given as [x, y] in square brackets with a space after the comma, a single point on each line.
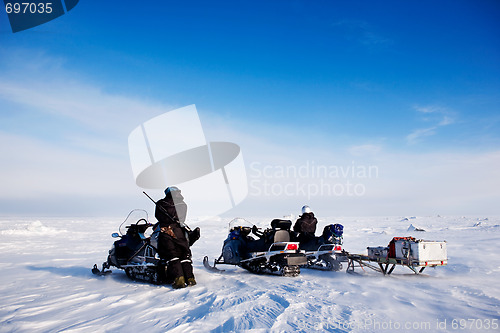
[292, 246]
[338, 248]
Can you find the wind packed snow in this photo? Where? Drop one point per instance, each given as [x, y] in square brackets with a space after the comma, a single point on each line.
[47, 286]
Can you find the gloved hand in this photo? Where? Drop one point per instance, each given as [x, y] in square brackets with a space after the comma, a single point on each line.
[194, 236]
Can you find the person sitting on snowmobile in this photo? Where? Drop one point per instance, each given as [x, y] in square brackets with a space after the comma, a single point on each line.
[173, 244]
[305, 226]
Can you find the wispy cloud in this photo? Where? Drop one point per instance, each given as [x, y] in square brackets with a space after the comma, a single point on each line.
[438, 115]
[435, 110]
[446, 121]
[418, 134]
[32, 168]
[429, 109]
[363, 150]
[87, 157]
[78, 101]
[50, 172]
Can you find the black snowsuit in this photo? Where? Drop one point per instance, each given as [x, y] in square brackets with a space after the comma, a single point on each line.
[173, 245]
[306, 227]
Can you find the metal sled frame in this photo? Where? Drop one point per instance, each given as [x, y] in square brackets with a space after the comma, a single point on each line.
[323, 249]
[386, 265]
[327, 257]
[274, 249]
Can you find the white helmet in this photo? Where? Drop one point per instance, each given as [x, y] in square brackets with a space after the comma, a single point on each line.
[306, 209]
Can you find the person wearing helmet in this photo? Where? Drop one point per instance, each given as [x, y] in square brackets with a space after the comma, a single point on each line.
[305, 226]
[173, 244]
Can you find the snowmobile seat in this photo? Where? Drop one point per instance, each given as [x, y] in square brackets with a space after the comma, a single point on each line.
[281, 224]
[281, 236]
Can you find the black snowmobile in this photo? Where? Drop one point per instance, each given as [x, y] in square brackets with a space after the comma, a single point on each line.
[136, 250]
[262, 252]
[325, 252]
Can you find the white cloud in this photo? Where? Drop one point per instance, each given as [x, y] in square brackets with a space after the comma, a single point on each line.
[428, 109]
[362, 150]
[415, 136]
[440, 183]
[85, 160]
[31, 167]
[79, 102]
[439, 115]
[405, 183]
[446, 121]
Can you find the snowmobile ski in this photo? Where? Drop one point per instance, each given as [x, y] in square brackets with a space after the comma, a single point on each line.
[209, 267]
[102, 272]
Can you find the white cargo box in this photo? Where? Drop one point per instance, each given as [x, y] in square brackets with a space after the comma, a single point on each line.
[377, 252]
[422, 252]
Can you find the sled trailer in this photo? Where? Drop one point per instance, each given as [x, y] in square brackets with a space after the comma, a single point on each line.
[404, 251]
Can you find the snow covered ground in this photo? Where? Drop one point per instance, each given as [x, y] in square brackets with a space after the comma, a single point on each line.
[46, 284]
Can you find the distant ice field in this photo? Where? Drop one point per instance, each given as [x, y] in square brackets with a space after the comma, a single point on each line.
[46, 284]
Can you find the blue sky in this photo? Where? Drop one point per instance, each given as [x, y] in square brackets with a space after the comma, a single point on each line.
[410, 86]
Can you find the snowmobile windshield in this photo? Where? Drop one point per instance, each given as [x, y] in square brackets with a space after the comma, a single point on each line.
[139, 219]
[240, 222]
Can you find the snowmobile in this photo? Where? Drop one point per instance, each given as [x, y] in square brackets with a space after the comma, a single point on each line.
[136, 250]
[262, 252]
[325, 252]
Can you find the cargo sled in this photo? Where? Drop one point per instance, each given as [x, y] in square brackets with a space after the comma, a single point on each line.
[415, 254]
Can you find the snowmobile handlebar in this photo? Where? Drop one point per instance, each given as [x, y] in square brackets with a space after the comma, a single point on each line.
[258, 232]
